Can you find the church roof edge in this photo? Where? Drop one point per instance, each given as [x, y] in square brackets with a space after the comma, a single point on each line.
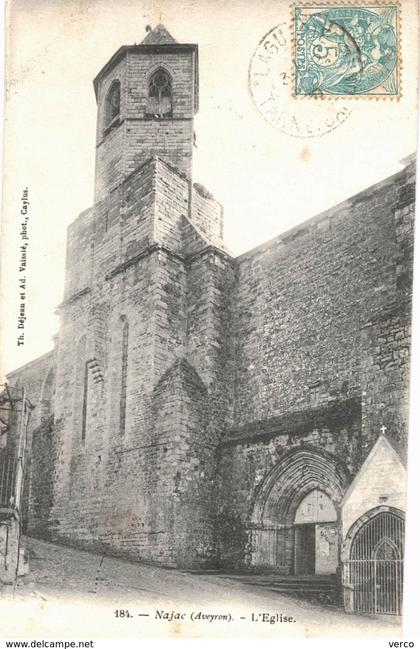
[38, 359]
[381, 440]
[314, 221]
[146, 48]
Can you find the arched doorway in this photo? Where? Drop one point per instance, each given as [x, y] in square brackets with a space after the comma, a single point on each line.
[316, 535]
[295, 508]
[373, 567]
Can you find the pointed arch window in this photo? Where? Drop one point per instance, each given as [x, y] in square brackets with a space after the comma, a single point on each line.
[124, 374]
[81, 385]
[160, 95]
[85, 400]
[47, 396]
[112, 105]
[386, 550]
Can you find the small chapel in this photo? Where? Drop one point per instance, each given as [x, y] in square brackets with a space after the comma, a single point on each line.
[201, 410]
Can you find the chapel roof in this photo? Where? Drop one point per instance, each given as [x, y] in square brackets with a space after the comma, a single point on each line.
[383, 442]
[399, 447]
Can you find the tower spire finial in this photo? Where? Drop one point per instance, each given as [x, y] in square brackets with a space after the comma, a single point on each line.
[159, 35]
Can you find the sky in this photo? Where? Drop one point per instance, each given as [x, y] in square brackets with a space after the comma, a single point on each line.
[267, 180]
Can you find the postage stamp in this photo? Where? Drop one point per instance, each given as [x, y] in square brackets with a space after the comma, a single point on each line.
[270, 84]
[346, 50]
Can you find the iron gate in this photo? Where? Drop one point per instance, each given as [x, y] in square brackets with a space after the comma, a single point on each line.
[375, 568]
[7, 480]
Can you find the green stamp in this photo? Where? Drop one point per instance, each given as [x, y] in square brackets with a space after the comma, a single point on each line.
[346, 50]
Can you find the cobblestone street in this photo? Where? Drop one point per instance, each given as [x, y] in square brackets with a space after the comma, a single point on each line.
[70, 592]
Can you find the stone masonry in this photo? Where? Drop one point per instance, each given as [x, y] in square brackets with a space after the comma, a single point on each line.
[193, 397]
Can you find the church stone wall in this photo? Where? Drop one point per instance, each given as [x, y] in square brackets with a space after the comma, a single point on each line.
[146, 492]
[172, 204]
[299, 346]
[302, 298]
[44, 473]
[137, 138]
[204, 334]
[207, 215]
[78, 272]
[172, 139]
[180, 66]
[321, 323]
[101, 491]
[32, 377]
[247, 457]
[110, 163]
[209, 337]
[385, 361]
[386, 339]
[177, 199]
[38, 380]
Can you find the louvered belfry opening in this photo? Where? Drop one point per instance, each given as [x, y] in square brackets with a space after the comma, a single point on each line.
[375, 567]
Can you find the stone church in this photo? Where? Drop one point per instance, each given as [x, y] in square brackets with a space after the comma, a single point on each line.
[203, 410]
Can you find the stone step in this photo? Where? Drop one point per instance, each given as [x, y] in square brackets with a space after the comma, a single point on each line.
[306, 586]
[314, 588]
[289, 588]
[294, 581]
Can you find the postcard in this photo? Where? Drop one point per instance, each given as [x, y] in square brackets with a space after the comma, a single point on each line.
[207, 285]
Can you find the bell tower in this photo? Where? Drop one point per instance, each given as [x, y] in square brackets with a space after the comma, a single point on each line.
[147, 96]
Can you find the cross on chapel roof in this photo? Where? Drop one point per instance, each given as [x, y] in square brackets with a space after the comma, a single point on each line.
[158, 36]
